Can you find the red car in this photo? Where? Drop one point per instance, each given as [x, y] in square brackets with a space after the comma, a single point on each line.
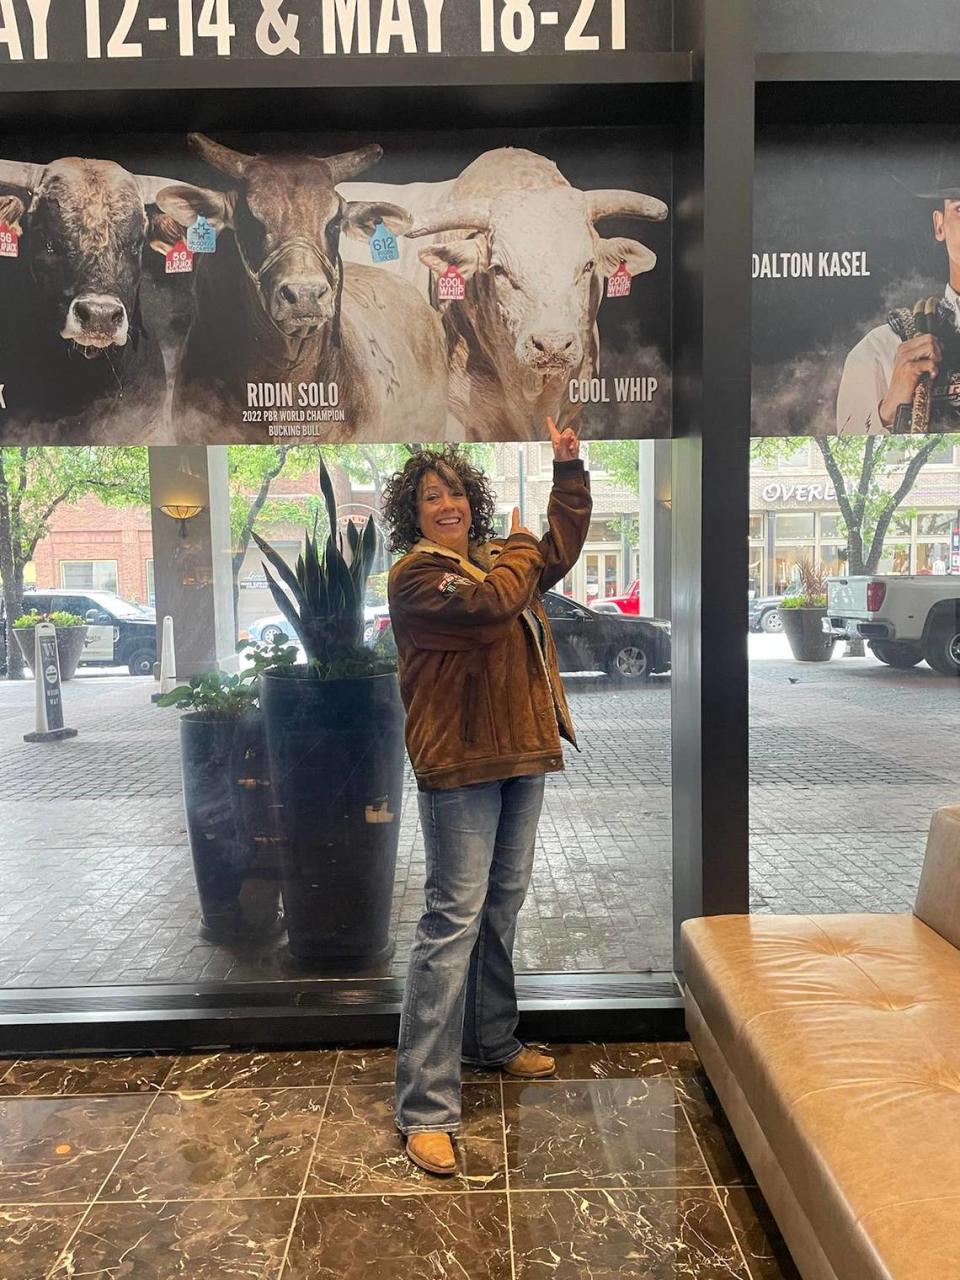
[628, 603]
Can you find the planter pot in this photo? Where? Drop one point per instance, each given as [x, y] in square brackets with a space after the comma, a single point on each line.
[70, 642]
[803, 630]
[336, 753]
[227, 797]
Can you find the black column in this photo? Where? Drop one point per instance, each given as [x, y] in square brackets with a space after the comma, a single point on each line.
[712, 222]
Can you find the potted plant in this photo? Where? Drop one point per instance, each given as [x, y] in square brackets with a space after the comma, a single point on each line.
[336, 750]
[802, 611]
[227, 799]
[71, 637]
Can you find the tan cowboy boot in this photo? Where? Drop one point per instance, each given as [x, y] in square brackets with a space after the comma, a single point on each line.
[530, 1064]
[432, 1151]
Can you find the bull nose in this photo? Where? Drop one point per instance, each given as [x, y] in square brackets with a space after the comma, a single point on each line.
[302, 294]
[556, 344]
[104, 315]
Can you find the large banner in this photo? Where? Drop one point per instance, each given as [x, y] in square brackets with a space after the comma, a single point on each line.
[856, 269]
[394, 287]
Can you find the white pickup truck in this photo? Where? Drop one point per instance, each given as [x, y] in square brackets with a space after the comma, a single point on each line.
[905, 617]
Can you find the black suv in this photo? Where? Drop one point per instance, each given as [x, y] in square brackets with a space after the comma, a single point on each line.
[119, 633]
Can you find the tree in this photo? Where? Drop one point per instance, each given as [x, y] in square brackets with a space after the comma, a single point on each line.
[34, 482]
[872, 476]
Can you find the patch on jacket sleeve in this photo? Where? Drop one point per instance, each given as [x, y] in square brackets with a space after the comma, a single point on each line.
[449, 583]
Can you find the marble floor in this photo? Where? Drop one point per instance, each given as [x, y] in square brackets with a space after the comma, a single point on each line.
[286, 1166]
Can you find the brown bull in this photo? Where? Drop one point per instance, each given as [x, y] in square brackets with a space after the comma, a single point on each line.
[277, 308]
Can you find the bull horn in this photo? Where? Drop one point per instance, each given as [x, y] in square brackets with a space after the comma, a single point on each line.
[151, 187]
[456, 217]
[231, 163]
[348, 164]
[608, 203]
[17, 173]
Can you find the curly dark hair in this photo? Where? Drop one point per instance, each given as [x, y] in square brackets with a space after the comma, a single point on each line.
[402, 491]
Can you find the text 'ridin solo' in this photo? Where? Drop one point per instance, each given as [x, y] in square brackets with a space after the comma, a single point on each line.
[270, 395]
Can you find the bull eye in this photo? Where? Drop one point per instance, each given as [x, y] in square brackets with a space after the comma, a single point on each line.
[589, 269]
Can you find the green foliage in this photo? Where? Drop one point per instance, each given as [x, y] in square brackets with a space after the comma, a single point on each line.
[324, 596]
[59, 619]
[810, 589]
[377, 588]
[224, 696]
[620, 459]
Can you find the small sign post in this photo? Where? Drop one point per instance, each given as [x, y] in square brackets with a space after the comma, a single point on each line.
[46, 675]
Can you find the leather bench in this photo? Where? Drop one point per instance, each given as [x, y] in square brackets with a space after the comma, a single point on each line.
[833, 1043]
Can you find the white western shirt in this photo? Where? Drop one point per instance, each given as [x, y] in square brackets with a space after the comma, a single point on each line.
[866, 377]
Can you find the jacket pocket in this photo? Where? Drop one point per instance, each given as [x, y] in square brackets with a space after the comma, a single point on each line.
[470, 708]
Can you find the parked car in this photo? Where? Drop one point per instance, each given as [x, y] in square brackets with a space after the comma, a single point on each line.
[763, 614]
[274, 627]
[629, 602]
[905, 617]
[120, 633]
[588, 639]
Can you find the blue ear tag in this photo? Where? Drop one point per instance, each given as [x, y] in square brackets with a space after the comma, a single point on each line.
[383, 245]
[202, 236]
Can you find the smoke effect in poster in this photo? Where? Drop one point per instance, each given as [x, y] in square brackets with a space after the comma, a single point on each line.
[330, 288]
[856, 259]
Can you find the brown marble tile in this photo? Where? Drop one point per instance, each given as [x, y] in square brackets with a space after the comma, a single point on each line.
[602, 1133]
[721, 1150]
[59, 1077]
[606, 1061]
[243, 1142]
[296, 1069]
[415, 1237]
[768, 1257]
[62, 1148]
[643, 1235]
[202, 1240]
[31, 1237]
[360, 1151]
[366, 1066]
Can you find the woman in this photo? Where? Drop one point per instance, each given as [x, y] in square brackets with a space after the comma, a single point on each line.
[485, 715]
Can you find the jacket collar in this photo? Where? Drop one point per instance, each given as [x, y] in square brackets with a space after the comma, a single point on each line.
[487, 551]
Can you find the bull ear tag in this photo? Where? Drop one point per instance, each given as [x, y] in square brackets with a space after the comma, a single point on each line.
[618, 285]
[202, 236]
[179, 259]
[383, 245]
[451, 286]
[9, 241]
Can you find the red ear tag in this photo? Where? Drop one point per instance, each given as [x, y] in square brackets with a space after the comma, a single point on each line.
[179, 259]
[618, 285]
[9, 241]
[451, 286]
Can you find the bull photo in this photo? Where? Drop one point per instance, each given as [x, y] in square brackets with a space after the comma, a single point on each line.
[856, 270]
[332, 287]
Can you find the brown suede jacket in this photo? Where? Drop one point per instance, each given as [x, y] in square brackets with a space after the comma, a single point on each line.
[483, 700]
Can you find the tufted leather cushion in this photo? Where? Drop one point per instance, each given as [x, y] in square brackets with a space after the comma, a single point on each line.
[843, 1034]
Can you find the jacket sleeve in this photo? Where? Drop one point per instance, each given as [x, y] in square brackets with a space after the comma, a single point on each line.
[568, 520]
[440, 608]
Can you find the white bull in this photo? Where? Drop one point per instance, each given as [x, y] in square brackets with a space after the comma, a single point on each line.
[526, 243]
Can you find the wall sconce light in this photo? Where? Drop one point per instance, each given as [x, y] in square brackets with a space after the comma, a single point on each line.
[182, 511]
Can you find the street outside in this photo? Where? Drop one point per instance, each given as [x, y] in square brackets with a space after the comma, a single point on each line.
[848, 761]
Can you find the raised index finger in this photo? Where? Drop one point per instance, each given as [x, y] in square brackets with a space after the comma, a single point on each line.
[552, 428]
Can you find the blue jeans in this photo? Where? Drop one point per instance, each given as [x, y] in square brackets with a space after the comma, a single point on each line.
[460, 1001]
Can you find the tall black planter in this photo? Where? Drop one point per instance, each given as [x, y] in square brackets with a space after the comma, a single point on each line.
[336, 754]
[805, 635]
[227, 797]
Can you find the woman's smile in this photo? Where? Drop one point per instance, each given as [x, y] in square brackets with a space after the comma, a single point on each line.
[444, 513]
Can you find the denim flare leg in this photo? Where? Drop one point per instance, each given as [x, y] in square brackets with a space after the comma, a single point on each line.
[460, 1001]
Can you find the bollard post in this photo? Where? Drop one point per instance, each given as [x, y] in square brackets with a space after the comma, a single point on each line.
[168, 660]
[46, 676]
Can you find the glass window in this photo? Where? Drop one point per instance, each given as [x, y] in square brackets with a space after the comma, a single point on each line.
[755, 567]
[755, 527]
[89, 575]
[935, 522]
[901, 523]
[933, 557]
[895, 558]
[830, 557]
[787, 566]
[794, 525]
[151, 590]
[830, 525]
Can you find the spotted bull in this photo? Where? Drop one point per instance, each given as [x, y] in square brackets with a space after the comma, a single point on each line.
[278, 312]
[77, 361]
[534, 263]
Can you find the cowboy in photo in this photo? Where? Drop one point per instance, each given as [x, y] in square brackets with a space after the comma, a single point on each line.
[904, 376]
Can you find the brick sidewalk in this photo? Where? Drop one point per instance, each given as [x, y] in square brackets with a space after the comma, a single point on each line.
[847, 765]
